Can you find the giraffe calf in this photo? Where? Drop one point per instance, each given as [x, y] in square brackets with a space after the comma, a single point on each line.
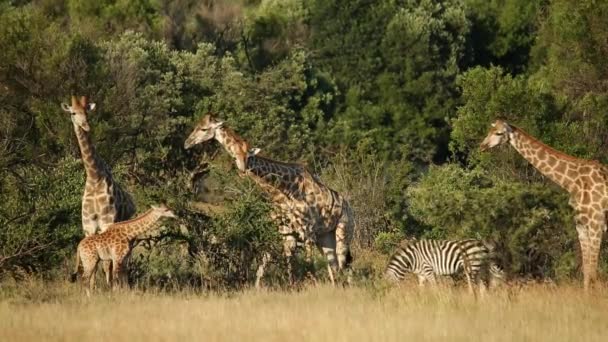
[114, 245]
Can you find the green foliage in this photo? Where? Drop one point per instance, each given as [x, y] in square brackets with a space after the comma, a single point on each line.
[406, 55]
[238, 239]
[39, 216]
[502, 32]
[531, 224]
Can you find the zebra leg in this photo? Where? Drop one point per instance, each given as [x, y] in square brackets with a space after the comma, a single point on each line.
[327, 246]
[469, 282]
[482, 287]
[421, 280]
[432, 280]
[259, 274]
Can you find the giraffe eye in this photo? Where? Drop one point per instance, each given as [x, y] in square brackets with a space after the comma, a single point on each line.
[500, 133]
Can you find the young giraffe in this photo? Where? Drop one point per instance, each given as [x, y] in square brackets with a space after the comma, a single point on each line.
[585, 180]
[103, 201]
[305, 207]
[114, 245]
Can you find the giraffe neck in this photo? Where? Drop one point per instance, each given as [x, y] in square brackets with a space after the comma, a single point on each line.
[145, 222]
[88, 154]
[236, 146]
[550, 162]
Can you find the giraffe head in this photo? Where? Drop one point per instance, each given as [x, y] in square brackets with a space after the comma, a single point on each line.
[162, 211]
[78, 110]
[498, 134]
[203, 131]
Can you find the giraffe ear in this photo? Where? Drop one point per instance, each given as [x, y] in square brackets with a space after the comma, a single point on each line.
[91, 107]
[219, 124]
[65, 107]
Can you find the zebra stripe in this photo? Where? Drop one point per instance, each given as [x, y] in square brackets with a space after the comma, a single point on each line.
[429, 258]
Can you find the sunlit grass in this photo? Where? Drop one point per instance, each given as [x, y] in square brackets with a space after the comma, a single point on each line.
[60, 312]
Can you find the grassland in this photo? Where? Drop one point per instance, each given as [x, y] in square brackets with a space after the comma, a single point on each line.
[59, 312]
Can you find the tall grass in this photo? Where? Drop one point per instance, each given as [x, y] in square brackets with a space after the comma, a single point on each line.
[60, 312]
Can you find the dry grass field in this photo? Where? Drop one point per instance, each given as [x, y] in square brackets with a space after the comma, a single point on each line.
[59, 312]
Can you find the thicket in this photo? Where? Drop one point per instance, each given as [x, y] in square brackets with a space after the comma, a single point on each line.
[386, 100]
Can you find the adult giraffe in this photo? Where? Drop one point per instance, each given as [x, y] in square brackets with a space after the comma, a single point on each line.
[104, 201]
[305, 207]
[585, 180]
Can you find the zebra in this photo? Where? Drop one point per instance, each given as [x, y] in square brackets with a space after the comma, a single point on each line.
[428, 258]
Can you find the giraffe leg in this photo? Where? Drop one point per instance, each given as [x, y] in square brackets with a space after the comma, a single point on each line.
[117, 265]
[309, 245]
[583, 219]
[289, 246]
[88, 274]
[583, 241]
[344, 236]
[595, 233]
[107, 269]
[259, 274]
[327, 246]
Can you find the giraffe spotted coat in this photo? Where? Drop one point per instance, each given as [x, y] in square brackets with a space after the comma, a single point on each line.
[305, 207]
[585, 180]
[114, 245]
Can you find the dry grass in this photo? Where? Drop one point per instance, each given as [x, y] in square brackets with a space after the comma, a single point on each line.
[59, 312]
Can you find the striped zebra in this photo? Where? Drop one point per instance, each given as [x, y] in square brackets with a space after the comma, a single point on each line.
[429, 258]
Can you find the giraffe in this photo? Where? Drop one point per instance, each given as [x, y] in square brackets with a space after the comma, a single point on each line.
[304, 207]
[103, 201]
[585, 180]
[114, 245]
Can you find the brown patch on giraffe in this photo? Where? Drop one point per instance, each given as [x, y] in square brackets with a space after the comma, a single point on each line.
[586, 198]
[544, 167]
[560, 168]
[596, 176]
[552, 161]
[571, 173]
[584, 169]
[586, 180]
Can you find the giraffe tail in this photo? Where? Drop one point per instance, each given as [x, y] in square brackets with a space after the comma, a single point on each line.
[74, 275]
